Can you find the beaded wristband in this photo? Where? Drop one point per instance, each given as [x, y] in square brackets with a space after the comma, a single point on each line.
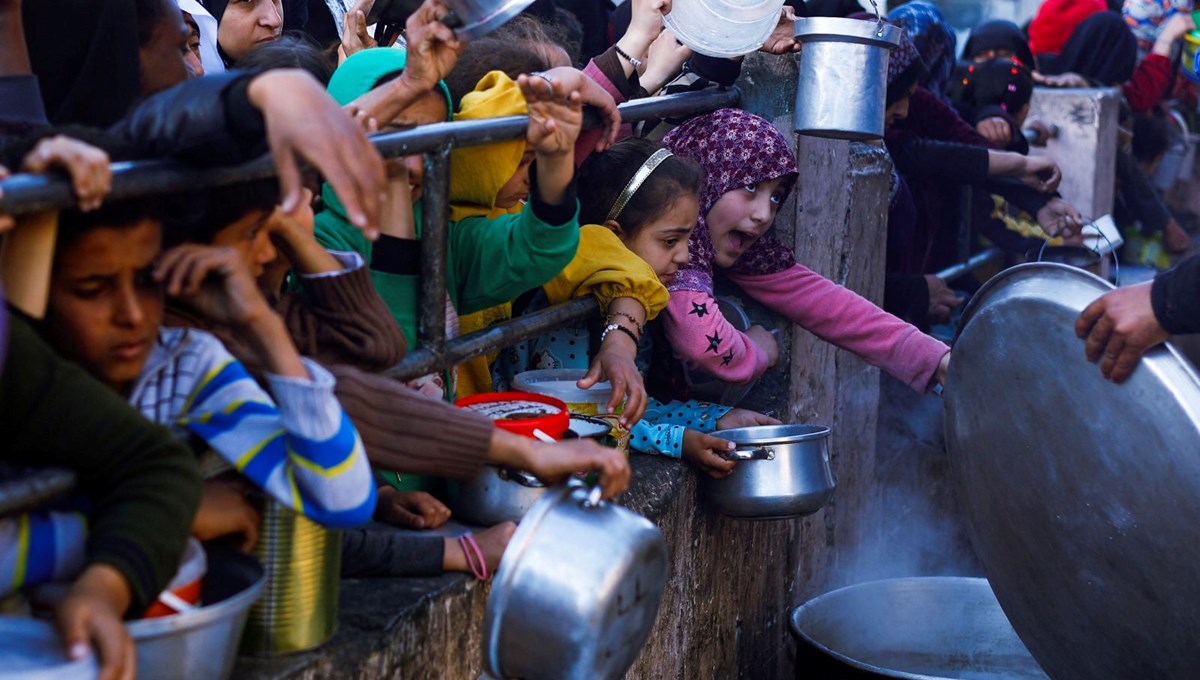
[640, 329]
[637, 63]
[618, 327]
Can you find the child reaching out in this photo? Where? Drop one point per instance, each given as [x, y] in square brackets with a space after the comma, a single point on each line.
[749, 172]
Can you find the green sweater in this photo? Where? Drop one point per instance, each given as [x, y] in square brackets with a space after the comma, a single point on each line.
[490, 261]
[143, 484]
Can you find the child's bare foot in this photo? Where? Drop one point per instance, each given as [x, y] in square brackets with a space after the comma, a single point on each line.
[491, 542]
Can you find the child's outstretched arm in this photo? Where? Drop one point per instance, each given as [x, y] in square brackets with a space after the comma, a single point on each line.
[305, 452]
[842, 317]
[701, 337]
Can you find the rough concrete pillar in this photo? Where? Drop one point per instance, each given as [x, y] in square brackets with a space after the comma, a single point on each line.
[1086, 146]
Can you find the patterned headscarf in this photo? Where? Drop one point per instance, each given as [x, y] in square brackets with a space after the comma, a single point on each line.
[933, 38]
[736, 149]
[1146, 17]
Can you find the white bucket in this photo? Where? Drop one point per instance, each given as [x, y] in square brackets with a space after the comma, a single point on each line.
[560, 384]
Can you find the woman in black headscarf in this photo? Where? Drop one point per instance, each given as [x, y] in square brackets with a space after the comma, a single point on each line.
[998, 38]
[1102, 49]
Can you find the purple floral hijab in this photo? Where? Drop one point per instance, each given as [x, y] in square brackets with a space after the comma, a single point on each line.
[735, 148]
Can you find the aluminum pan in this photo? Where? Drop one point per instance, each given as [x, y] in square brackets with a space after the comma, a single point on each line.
[1081, 494]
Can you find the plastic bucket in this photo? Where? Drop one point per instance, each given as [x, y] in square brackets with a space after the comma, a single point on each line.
[560, 384]
[185, 586]
[299, 606]
[723, 28]
[843, 77]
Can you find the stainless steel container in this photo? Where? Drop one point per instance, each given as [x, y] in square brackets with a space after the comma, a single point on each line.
[782, 471]
[476, 18]
[577, 591]
[299, 606]
[495, 495]
[202, 644]
[842, 90]
[923, 628]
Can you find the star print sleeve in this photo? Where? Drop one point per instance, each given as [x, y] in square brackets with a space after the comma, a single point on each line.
[840, 316]
[702, 338]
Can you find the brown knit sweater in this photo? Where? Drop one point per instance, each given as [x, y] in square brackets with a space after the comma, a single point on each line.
[341, 321]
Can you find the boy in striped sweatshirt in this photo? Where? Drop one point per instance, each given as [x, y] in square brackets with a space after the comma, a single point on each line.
[106, 309]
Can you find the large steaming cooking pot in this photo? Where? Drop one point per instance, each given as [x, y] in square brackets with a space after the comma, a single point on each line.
[782, 471]
[923, 628]
[577, 590]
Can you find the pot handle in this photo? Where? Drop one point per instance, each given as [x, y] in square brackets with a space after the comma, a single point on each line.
[520, 477]
[593, 498]
[758, 453]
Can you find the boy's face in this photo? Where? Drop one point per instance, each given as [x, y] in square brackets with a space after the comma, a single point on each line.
[251, 238]
[516, 189]
[663, 242]
[429, 108]
[105, 307]
[741, 216]
[163, 57]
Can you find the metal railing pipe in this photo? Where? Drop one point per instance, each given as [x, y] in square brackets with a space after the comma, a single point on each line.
[972, 263]
[435, 216]
[22, 193]
[36, 488]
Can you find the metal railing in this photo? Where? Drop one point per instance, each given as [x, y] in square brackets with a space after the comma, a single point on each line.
[22, 194]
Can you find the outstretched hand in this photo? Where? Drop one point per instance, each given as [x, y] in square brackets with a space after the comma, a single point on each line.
[553, 463]
[783, 39]
[591, 94]
[615, 362]
[704, 451]
[87, 166]
[91, 614]
[304, 123]
[555, 114]
[1118, 328]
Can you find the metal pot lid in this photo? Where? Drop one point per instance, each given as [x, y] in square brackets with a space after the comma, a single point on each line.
[1082, 495]
[774, 434]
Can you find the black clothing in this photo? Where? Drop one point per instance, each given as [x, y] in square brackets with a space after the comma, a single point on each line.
[1175, 296]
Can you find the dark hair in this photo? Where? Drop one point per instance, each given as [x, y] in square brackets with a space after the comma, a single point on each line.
[1151, 138]
[557, 24]
[1004, 82]
[606, 174]
[217, 208]
[518, 47]
[72, 224]
[292, 50]
[150, 13]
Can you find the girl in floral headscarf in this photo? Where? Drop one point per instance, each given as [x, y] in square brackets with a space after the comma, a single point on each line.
[749, 172]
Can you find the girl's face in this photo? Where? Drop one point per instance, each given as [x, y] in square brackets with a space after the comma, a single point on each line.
[251, 238]
[192, 56]
[663, 242]
[741, 216]
[105, 307]
[247, 23]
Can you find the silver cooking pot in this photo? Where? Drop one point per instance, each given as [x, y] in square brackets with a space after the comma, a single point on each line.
[577, 591]
[495, 495]
[475, 18]
[782, 471]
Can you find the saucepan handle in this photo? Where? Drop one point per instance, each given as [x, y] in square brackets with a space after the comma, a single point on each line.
[520, 477]
[756, 453]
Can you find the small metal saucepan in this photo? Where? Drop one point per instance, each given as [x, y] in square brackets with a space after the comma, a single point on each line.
[782, 471]
[577, 591]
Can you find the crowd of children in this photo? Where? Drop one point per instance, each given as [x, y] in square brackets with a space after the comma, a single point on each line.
[199, 353]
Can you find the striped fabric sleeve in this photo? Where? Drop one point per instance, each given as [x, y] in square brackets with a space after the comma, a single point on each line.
[42, 547]
[304, 452]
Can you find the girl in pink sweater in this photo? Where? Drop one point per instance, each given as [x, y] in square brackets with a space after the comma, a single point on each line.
[750, 170]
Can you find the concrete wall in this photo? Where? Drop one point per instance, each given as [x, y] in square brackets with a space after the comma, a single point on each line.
[731, 583]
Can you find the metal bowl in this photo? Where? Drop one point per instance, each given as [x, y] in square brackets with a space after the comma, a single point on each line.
[923, 628]
[782, 471]
[202, 644]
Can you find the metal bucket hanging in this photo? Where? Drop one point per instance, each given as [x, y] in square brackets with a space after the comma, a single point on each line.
[842, 92]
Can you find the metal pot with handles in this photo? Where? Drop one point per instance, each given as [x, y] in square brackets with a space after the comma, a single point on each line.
[577, 591]
[782, 471]
[495, 495]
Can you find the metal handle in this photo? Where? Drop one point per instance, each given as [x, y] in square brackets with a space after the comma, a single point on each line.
[520, 477]
[593, 498]
[741, 455]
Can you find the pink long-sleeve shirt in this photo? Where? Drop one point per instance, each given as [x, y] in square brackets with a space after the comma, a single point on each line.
[701, 336]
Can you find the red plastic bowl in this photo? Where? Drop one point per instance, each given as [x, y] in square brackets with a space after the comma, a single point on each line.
[553, 424]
